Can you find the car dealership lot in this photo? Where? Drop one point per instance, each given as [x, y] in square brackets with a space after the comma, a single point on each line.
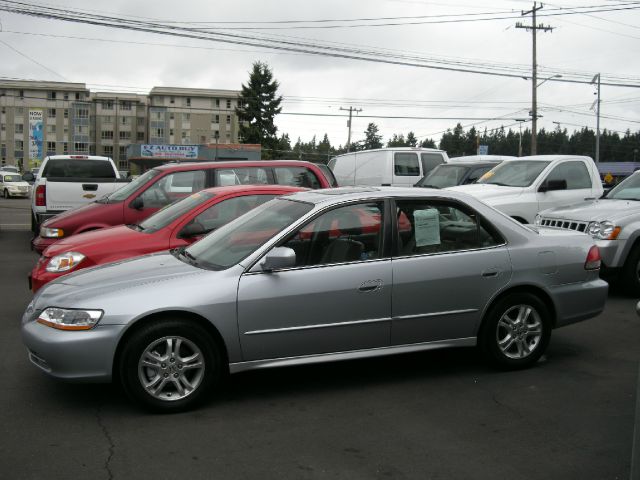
[439, 414]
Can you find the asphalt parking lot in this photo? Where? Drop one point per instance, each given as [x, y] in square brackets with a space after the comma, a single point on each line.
[434, 415]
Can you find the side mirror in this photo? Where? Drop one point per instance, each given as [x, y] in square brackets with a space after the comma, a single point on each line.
[277, 258]
[192, 229]
[551, 185]
[28, 177]
[137, 203]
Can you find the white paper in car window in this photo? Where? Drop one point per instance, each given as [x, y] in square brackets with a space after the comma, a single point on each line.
[427, 224]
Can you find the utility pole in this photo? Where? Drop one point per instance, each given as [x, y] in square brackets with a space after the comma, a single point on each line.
[596, 104]
[534, 77]
[351, 110]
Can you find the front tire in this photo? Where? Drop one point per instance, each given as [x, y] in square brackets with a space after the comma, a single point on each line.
[6, 194]
[170, 365]
[516, 331]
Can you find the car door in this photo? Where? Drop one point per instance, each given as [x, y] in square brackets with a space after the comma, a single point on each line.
[448, 263]
[162, 192]
[211, 217]
[579, 186]
[337, 298]
[406, 169]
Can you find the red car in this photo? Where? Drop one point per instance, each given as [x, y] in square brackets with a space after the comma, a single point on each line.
[177, 225]
[162, 185]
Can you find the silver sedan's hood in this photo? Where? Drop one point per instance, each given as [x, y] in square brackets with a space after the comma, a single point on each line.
[144, 271]
[594, 210]
[488, 192]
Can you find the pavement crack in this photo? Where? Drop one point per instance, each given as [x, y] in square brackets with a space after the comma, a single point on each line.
[507, 407]
[112, 445]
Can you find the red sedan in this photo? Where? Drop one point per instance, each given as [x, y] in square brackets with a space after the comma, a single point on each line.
[177, 225]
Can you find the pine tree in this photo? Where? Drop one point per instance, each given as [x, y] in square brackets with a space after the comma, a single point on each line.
[372, 139]
[259, 103]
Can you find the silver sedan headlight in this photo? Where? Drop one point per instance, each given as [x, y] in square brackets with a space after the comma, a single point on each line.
[69, 319]
[603, 230]
[64, 262]
[51, 232]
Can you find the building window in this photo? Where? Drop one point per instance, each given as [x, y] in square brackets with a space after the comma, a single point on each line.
[19, 111]
[19, 145]
[125, 120]
[172, 100]
[66, 113]
[126, 105]
[83, 113]
[122, 152]
[77, 95]
[140, 121]
[188, 101]
[21, 93]
[81, 146]
[140, 137]
[51, 129]
[186, 117]
[228, 103]
[125, 135]
[158, 132]
[216, 119]
[107, 104]
[107, 150]
[81, 129]
[107, 119]
[171, 116]
[51, 113]
[123, 164]
[66, 96]
[51, 95]
[19, 128]
[171, 132]
[217, 102]
[3, 127]
[157, 115]
[65, 147]
[228, 119]
[51, 148]
[106, 134]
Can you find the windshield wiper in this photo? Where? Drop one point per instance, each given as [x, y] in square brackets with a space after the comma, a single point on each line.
[430, 186]
[498, 183]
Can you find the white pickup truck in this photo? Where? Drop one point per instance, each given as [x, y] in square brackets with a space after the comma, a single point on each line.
[524, 186]
[68, 181]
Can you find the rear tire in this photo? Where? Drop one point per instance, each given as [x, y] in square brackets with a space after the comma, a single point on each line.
[516, 331]
[631, 272]
[170, 365]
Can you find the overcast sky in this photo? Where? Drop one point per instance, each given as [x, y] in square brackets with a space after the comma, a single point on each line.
[106, 59]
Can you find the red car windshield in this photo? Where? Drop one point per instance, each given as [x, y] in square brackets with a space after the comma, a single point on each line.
[171, 212]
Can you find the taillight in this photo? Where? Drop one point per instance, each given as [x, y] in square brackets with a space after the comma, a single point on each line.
[41, 196]
[593, 259]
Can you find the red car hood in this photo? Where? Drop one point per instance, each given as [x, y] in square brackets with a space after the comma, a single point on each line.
[100, 242]
[86, 211]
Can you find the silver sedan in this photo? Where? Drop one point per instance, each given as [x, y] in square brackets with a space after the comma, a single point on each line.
[313, 277]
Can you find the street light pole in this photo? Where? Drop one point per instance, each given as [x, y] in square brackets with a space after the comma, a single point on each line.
[596, 80]
[520, 120]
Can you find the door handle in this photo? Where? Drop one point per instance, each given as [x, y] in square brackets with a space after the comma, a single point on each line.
[370, 286]
[89, 187]
[490, 272]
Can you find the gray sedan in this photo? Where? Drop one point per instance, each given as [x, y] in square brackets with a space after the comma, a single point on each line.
[313, 277]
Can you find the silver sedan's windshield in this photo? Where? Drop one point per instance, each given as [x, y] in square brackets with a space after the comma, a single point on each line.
[629, 189]
[514, 173]
[237, 240]
[443, 176]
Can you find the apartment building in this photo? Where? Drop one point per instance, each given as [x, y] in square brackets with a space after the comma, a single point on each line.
[47, 118]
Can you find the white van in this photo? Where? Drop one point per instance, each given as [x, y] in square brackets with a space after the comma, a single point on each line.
[401, 167]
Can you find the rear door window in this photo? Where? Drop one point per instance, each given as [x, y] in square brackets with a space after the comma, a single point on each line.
[405, 164]
[241, 176]
[296, 177]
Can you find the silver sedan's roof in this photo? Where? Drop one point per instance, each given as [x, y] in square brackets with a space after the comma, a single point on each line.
[338, 195]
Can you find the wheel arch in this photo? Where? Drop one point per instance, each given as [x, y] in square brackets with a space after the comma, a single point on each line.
[181, 314]
[531, 289]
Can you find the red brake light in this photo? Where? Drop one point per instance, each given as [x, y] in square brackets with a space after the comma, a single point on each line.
[83, 157]
[41, 196]
[593, 259]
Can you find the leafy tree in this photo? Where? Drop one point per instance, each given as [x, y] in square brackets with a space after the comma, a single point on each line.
[397, 141]
[428, 143]
[372, 139]
[412, 141]
[258, 105]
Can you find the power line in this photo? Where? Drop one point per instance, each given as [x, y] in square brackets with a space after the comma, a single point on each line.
[32, 59]
[298, 46]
